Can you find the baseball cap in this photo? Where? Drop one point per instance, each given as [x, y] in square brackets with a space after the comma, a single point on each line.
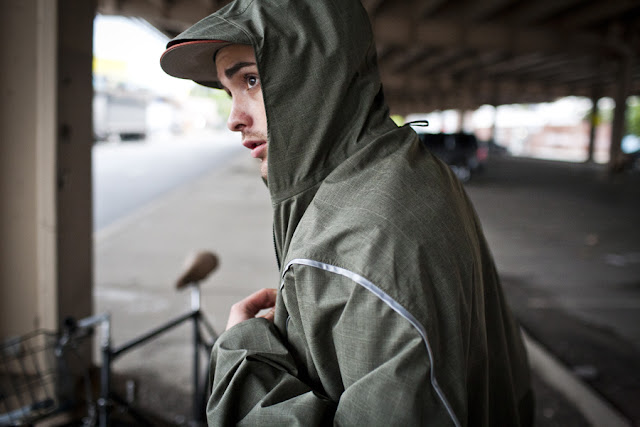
[191, 54]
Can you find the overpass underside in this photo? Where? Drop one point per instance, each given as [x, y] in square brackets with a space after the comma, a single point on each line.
[433, 55]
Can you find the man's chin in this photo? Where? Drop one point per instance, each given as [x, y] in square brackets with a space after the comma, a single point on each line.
[264, 172]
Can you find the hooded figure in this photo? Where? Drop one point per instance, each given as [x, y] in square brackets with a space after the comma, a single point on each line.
[389, 309]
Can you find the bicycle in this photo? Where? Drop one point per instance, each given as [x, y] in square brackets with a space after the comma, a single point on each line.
[35, 379]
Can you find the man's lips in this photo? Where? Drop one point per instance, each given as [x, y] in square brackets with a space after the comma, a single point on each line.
[258, 148]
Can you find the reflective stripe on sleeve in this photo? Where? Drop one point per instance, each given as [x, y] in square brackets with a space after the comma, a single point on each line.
[395, 306]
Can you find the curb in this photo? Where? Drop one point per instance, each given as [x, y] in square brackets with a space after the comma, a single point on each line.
[594, 408]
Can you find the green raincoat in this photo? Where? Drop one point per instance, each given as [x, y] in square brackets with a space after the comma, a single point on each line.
[390, 311]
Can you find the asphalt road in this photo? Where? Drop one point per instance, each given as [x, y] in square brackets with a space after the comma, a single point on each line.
[566, 240]
[129, 175]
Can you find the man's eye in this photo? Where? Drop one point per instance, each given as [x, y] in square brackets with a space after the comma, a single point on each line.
[251, 81]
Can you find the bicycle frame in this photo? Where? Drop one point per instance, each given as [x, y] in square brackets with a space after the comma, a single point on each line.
[109, 353]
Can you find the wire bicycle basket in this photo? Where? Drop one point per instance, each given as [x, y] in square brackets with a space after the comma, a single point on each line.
[30, 378]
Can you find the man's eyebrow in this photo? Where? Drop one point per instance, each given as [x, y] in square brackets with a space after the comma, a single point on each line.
[229, 72]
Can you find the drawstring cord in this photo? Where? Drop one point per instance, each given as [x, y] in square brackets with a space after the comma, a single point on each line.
[423, 123]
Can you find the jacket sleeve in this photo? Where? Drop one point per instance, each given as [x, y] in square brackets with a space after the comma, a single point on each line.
[345, 357]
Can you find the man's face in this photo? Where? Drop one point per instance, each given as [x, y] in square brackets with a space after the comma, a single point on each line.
[238, 72]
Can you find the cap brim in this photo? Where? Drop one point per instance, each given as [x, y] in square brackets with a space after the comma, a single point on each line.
[193, 60]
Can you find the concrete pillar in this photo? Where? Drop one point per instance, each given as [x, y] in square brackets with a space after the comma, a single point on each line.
[494, 124]
[45, 163]
[495, 103]
[460, 119]
[617, 127]
[74, 146]
[593, 125]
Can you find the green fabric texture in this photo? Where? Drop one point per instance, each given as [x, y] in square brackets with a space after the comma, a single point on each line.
[399, 318]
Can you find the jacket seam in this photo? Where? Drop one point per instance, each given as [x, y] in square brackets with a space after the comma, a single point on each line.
[393, 304]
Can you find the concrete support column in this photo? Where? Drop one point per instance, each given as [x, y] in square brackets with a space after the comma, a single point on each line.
[495, 103]
[461, 118]
[593, 125]
[74, 144]
[617, 127]
[494, 124]
[45, 163]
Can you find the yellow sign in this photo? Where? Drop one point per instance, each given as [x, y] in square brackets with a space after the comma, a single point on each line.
[109, 67]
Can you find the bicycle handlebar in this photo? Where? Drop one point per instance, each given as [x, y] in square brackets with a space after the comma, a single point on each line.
[75, 329]
[91, 321]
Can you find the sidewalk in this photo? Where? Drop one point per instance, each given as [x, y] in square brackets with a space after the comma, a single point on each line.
[138, 259]
[227, 211]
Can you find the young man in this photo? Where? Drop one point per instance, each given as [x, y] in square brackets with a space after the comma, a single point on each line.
[389, 310]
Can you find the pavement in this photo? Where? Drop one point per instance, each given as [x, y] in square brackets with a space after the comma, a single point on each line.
[566, 240]
[547, 240]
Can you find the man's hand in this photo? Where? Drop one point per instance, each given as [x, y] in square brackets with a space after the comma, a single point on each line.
[249, 307]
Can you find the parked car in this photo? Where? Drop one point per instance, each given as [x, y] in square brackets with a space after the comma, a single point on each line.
[461, 151]
[495, 149]
[631, 150]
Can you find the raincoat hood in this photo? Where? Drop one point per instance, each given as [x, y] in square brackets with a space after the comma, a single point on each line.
[320, 84]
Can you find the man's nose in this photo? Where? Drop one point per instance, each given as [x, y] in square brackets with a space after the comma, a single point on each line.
[239, 118]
